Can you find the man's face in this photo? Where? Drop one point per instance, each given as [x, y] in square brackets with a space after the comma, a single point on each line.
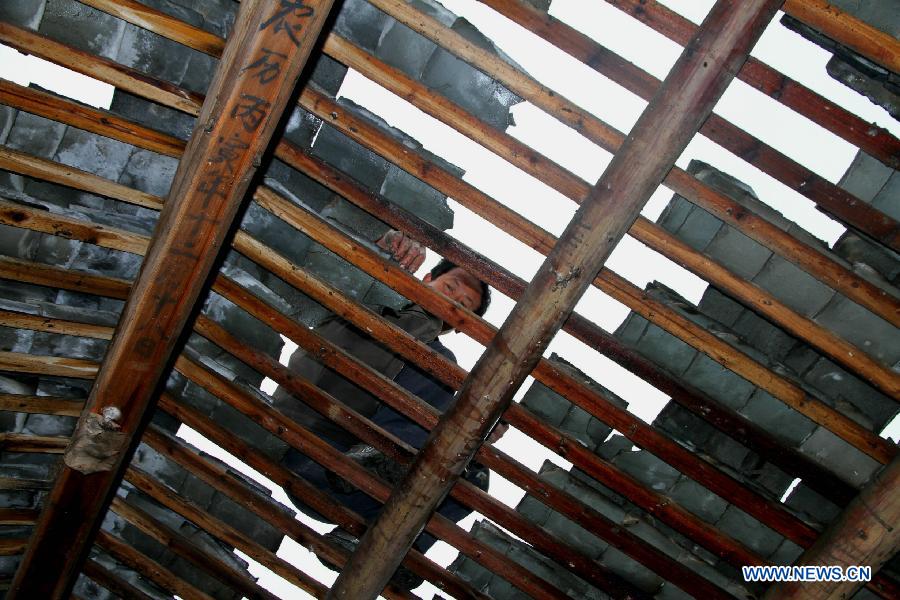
[459, 285]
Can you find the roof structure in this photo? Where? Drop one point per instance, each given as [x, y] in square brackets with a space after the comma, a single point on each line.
[154, 255]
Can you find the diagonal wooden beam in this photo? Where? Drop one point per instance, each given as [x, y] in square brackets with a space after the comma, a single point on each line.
[254, 81]
[865, 534]
[684, 101]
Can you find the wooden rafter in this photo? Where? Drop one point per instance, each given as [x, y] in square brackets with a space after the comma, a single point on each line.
[251, 88]
[865, 534]
[684, 101]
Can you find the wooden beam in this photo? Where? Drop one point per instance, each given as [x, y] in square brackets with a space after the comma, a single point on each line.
[684, 101]
[865, 534]
[26, 271]
[251, 88]
[220, 530]
[52, 366]
[828, 196]
[112, 582]
[407, 404]
[26, 217]
[874, 140]
[26, 442]
[54, 172]
[148, 568]
[217, 476]
[20, 320]
[874, 44]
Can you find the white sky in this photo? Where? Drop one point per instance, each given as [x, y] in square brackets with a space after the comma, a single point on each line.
[800, 139]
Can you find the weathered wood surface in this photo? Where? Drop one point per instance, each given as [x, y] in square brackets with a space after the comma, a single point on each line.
[251, 87]
[874, 44]
[866, 534]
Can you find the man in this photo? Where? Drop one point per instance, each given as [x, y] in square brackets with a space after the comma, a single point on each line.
[455, 283]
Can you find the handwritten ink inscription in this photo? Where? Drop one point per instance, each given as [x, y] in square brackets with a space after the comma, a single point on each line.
[267, 67]
[251, 111]
[288, 18]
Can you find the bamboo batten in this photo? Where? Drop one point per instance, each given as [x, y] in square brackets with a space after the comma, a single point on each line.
[148, 568]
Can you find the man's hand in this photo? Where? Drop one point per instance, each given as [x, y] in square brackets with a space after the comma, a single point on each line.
[405, 250]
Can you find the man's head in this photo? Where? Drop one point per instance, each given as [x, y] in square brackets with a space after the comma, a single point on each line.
[458, 284]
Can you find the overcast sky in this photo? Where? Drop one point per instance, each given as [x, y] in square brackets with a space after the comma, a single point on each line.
[800, 139]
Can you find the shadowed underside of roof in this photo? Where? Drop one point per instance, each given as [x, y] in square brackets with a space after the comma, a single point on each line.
[124, 313]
